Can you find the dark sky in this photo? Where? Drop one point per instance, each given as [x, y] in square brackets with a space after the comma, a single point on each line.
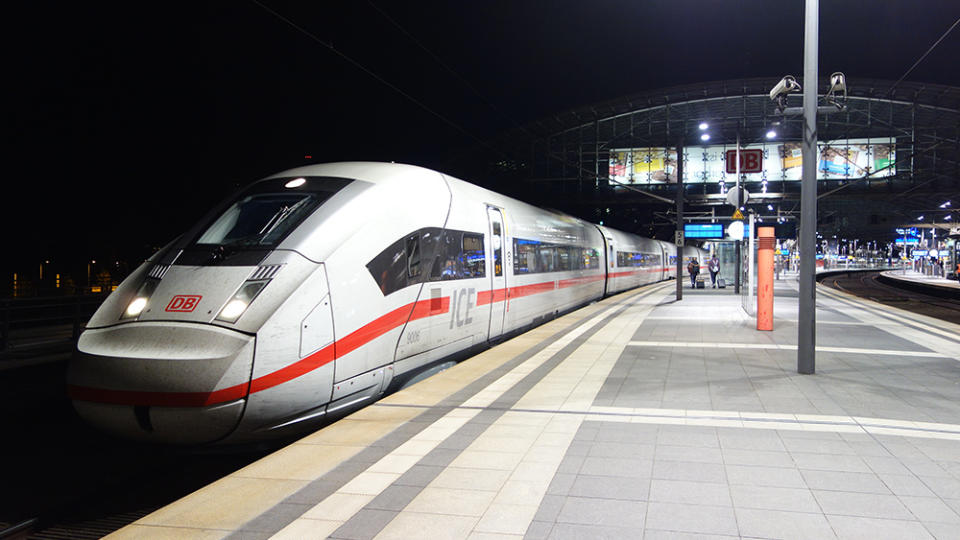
[125, 122]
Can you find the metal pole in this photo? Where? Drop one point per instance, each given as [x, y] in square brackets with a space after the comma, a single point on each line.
[739, 257]
[807, 316]
[679, 219]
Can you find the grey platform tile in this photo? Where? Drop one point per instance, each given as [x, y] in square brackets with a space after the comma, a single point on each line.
[439, 457]
[905, 484]
[650, 534]
[579, 448]
[419, 475]
[946, 488]
[625, 467]
[862, 504]
[861, 528]
[785, 525]
[886, 465]
[691, 518]
[628, 433]
[571, 464]
[279, 517]
[610, 487]
[621, 450]
[868, 448]
[694, 472]
[586, 511]
[314, 492]
[762, 440]
[845, 481]
[685, 492]
[924, 467]
[560, 485]
[818, 446]
[695, 454]
[943, 531]
[364, 525]
[549, 508]
[765, 476]
[395, 498]
[690, 436]
[930, 509]
[250, 535]
[571, 531]
[758, 458]
[538, 530]
[774, 498]
[826, 462]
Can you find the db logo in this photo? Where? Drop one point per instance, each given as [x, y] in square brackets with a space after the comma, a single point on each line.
[184, 303]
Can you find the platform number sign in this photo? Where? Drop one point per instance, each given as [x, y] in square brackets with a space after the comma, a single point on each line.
[751, 161]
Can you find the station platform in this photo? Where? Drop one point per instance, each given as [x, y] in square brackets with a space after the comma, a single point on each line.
[634, 417]
[928, 282]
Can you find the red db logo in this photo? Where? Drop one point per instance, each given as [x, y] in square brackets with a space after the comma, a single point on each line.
[184, 303]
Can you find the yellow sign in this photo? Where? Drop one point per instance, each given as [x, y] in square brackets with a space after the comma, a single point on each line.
[737, 214]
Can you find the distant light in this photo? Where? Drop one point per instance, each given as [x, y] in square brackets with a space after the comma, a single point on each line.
[307, 157]
[704, 125]
[769, 207]
[705, 137]
[948, 217]
[920, 218]
[771, 134]
[295, 183]
[944, 205]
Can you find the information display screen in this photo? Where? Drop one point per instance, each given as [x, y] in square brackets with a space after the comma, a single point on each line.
[707, 230]
[837, 160]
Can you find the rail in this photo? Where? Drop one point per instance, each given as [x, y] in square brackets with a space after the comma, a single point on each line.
[22, 319]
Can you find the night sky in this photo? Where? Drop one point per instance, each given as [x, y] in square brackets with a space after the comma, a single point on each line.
[125, 122]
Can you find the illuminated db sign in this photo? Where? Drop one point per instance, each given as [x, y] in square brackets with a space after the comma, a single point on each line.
[751, 161]
[184, 303]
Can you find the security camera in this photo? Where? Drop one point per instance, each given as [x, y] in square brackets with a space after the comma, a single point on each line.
[838, 83]
[785, 86]
[837, 95]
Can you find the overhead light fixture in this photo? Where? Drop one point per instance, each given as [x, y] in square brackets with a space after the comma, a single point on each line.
[920, 218]
[705, 137]
[704, 125]
[769, 207]
[944, 205]
[948, 217]
[771, 134]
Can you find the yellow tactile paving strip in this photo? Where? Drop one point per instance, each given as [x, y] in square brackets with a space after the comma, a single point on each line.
[224, 506]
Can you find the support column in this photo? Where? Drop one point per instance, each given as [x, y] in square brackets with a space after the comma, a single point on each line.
[807, 315]
[767, 241]
[680, 220]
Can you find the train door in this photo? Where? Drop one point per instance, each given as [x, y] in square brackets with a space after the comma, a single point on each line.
[498, 277]
[611, 265]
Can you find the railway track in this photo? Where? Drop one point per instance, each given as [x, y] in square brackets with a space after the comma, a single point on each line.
[866, 285]
[76, 483]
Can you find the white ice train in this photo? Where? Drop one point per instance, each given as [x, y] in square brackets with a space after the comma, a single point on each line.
[313, 290]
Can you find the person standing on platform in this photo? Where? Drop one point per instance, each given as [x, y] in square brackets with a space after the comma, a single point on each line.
[714, 267]
[693, 267]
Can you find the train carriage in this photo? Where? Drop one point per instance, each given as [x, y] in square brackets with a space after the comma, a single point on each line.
[316, 289]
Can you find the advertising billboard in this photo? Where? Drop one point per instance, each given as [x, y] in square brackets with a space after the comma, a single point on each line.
[837, 160]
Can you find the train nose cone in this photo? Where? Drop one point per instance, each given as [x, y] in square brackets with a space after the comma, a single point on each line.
[163, 382]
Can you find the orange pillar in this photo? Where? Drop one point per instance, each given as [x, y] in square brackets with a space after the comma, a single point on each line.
[767, 241]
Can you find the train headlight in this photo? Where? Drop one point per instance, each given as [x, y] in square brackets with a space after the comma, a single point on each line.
[140, 300]
[241, 299]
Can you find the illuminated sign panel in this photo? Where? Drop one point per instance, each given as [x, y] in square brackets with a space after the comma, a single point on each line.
[708, 230]
[838, 160]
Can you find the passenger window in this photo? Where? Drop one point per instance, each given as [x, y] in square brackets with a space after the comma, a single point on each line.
[389, 268]
[459, 255]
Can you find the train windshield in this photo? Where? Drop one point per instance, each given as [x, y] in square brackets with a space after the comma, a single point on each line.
[264, 214]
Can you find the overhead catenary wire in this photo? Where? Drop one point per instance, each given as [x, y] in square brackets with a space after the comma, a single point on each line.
[371, 73]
